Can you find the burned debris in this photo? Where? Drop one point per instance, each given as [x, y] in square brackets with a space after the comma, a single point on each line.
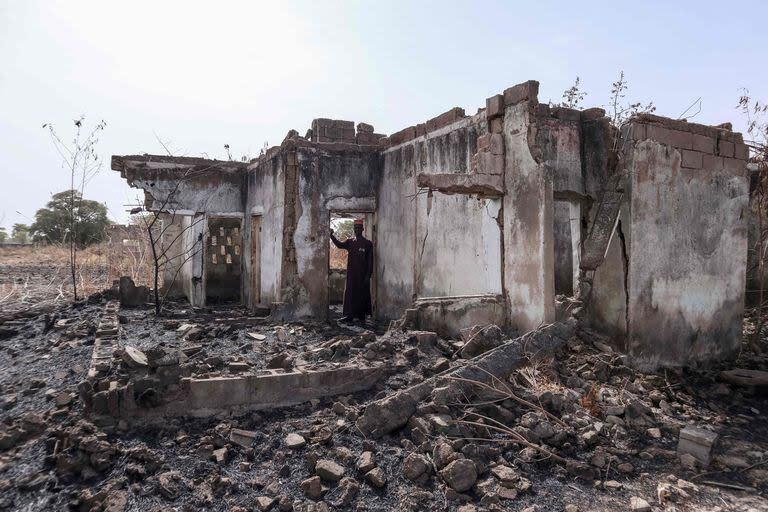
[538, 342]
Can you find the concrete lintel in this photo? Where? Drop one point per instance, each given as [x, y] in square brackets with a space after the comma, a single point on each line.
[487, 185]
[211, 396]
[257, 210]
[351, 204]
[225, 214]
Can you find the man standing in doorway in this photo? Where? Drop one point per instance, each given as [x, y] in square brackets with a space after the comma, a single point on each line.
[357, 291]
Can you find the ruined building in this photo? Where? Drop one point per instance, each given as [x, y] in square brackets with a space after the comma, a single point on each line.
[477, 219]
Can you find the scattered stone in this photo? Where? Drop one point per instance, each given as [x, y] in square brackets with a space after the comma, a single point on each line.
[376, 477]
[696, 442]
[639, 505]
[366, 462]
[312, 487]
[460, 475]
[264, 503]
[294, 441]
[244, 438]
[329, 470]
[415, 465]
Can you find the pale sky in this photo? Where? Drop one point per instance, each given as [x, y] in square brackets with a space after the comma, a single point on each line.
[203, 74]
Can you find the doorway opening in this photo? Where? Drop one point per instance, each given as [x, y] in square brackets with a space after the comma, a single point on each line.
[342, 225]
[222, 260]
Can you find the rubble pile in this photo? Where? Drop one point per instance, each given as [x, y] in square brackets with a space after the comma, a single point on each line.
[574, 428]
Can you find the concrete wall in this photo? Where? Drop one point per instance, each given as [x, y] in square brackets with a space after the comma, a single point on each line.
[687, 244]
[266, 191]
[343, 177]
[528, 216]
[434, 244]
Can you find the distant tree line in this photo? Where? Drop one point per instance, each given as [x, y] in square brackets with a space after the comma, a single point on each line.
[53, 224]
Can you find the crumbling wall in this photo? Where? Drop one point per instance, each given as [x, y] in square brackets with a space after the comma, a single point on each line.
[682, 240]
[438, 231]
[333, 177]
[558, 140]
[266, 190]
[528, 211]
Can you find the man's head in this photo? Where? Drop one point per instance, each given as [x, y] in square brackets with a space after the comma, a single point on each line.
[358, 227]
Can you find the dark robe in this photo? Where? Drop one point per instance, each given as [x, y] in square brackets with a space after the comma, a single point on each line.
[357, 291]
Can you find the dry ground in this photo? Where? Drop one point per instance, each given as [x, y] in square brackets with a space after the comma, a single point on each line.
[174, 466]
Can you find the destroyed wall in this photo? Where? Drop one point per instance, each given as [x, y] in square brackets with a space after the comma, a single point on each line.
[190, 189]
[528, 210]
[437, 236]
[266, 195]
[679, 250]
[328, 177]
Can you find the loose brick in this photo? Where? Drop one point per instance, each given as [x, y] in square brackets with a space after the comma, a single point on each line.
[741, 151]
[526, 91]
[703, 143]
[494, 106]
[725, 148]
[691, 159]
[364, 128]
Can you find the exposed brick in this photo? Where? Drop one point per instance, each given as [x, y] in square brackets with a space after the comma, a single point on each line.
[691, 159]
[741, 151]
[703, 143]
[526, 91]
[496, 145]
[725, 148]
[445, 119]
[496, 125]
[421, 129]
[711, 162]
[489, 163]
[592, 113]
[403, 136]
[676, 138]
[494, 106]
[483, 141]
[566, 114]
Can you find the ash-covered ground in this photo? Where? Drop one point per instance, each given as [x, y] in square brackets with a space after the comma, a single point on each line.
[611, 432]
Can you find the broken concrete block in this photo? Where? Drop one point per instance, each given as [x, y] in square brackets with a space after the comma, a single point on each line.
[244, 438]
[698, 443]
[526, 91]
[494, 106]
[294, 441]
[134, 357]
[132, 295]
[329, 470]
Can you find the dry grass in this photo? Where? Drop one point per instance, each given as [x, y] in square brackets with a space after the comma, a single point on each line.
[37, 277]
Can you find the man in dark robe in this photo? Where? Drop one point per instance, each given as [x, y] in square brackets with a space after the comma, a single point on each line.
[357, 291]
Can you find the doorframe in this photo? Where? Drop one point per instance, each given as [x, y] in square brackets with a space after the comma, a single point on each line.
[368, 214]
[206, 249]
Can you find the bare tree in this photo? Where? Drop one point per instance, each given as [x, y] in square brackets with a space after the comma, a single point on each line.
[80, 159]
[756, 113]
